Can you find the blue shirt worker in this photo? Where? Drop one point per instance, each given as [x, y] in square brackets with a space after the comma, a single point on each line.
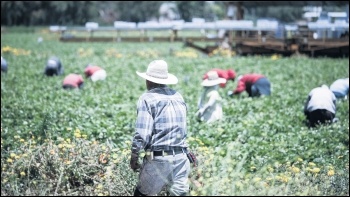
[340, 88]
[3, 65]
[161, 131]
[53, 67]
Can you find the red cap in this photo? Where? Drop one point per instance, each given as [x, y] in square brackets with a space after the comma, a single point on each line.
[231, 74]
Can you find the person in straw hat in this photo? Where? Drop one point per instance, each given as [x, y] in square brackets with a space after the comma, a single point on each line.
[161, 131]
[228, 74]
[209, 104]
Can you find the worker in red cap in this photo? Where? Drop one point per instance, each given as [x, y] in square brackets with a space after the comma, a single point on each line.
[254, 84]
[228, 74]
[95, 73]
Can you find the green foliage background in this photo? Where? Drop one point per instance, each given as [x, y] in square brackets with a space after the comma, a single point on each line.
[264, 131]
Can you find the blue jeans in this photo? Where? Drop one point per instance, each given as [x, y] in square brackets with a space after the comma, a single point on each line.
[261, 87]
[339, 95]
[170, 170]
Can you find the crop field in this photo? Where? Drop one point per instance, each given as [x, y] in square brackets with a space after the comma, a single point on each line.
[77, 142]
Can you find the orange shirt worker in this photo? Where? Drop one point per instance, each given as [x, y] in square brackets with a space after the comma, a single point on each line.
[73, 81]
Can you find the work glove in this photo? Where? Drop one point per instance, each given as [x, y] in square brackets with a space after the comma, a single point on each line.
[134, 162]
[192, 158]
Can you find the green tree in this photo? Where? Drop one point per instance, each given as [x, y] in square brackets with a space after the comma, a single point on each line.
[137, 11]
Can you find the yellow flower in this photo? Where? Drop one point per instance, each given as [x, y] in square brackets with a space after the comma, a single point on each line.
[21, 140]
[12, 155]
[284, 179]
[6, 49]
[312, 164]
[295, 169]
[69, 146]
[315, 170]
[300, 159]
[274, 57]
[256, 179]
[9, 160]
[270, 169]
[99, 186]
[77, 135]
[23, 173]
[330, 173]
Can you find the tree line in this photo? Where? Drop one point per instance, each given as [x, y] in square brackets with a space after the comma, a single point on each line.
[40, 13]
[33, 13]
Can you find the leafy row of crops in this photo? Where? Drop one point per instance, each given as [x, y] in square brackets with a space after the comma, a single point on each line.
[262, 147]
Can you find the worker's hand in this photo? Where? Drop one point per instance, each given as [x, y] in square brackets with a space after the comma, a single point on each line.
[134, 162]
[199, 113]
[192, 158]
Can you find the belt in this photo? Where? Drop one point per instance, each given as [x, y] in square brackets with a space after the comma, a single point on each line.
[174, 151]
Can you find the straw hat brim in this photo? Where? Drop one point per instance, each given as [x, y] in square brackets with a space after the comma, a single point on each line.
[213, 82]
[172, 79]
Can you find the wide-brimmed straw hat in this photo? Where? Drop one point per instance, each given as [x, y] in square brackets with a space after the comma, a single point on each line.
[213, 79]
[157, 72]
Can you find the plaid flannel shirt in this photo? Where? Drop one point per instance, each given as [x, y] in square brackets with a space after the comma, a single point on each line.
[161, 121]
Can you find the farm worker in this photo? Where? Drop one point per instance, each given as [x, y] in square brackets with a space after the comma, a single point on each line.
[320, 106]
[53, 67]
[73, 81]
[340, 88]
[255, 85]
[161, 131]
[228, 74]
[209, 104]
[3, 65]
[95, 73]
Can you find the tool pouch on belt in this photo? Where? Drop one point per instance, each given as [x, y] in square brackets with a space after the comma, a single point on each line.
[192, 158]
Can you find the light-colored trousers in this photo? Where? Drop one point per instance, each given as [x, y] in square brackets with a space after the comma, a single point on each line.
[171, 171]
[99, 75]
